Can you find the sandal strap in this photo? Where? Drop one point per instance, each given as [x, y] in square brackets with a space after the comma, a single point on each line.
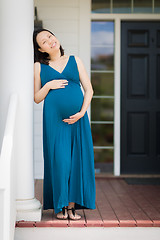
[73, 210]
[63, 210]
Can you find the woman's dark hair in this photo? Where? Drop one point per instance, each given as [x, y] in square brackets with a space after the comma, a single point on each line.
[39, 56]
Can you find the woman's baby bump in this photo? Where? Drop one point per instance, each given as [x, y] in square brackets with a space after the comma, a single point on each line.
[68, 100]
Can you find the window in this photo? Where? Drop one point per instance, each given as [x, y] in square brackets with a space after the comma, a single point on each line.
[125, 6]
[102, 104]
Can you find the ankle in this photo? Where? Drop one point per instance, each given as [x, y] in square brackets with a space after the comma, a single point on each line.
[71, 205]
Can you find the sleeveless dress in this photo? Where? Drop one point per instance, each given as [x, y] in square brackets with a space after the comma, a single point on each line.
[67, 148]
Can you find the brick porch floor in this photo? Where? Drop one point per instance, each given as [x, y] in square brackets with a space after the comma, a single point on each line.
[118, 204]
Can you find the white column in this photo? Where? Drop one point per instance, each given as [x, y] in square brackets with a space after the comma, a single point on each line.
[16, 75]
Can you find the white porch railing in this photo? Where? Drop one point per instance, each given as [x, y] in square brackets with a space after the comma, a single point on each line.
[8, 174]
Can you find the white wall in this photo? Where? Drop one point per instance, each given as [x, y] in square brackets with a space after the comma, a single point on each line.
[69, 20]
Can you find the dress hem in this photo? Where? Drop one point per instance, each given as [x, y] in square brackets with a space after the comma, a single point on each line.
[77, 207]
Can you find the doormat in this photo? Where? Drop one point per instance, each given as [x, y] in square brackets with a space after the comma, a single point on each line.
[143, 181]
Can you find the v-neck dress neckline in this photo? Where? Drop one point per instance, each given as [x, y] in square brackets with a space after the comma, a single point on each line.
[63, 68]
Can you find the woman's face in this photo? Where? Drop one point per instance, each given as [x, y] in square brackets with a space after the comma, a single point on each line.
[48, 42]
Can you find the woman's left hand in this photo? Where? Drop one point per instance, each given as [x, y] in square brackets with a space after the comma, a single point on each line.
[74, 118]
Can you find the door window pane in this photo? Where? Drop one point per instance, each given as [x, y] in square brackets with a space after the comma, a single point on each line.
[102, 45]
[123, 6]
[143, 6]
[103, 83]
[157, 6]
[100, 6]
[102, 33]
[102, 109]
[103, 155]
[103, 160]
[102, 58]
[102, 134]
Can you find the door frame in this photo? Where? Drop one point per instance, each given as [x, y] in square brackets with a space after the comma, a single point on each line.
[118, 18]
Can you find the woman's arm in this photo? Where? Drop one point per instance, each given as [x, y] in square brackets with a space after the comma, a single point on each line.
[86, 84]
[39, 93]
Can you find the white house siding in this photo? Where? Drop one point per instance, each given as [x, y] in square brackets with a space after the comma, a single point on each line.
[69, 20]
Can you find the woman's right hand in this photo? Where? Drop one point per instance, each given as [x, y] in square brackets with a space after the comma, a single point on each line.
[60, 83]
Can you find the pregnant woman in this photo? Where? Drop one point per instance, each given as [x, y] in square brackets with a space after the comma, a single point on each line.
[69, 178]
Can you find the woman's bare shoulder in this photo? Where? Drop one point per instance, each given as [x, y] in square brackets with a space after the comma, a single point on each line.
[77, 58]
[79, 62]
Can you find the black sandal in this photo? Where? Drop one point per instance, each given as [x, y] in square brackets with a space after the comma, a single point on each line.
[63, 211]
[73, 211]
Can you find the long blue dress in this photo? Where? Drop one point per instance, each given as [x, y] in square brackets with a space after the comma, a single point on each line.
[67, 148]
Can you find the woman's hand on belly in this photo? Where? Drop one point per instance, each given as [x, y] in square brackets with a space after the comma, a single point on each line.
[74, 118]
[59, 83]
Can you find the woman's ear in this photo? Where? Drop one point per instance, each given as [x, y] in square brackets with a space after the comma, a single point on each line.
[40, 50]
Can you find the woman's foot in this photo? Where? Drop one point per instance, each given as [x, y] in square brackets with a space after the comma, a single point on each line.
[72, 214]
[63, 214]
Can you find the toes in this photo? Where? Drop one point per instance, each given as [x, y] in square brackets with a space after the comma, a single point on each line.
[75, 217]
[61, 216]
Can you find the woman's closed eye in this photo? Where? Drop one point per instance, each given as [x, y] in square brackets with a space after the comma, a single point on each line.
[49, 37]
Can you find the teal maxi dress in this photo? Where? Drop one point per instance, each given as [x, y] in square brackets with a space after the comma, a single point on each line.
[67, 148]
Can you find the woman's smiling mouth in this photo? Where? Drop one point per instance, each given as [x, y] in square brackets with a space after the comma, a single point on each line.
[53, 44]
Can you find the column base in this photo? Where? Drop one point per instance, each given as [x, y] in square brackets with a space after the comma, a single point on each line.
[28, 210]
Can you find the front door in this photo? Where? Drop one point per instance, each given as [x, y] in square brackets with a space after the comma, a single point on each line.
[140, 97]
